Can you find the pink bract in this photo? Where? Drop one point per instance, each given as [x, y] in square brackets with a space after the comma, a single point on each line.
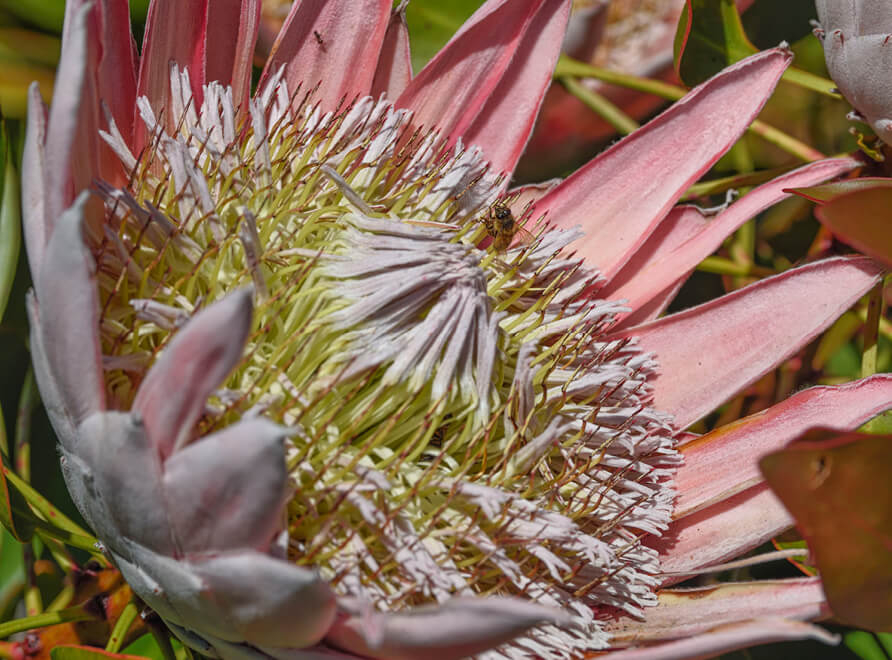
[185, 488]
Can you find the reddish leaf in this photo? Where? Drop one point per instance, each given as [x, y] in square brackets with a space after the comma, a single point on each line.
[827, 191]
[862, 219]
[858, 212]
[837, 486]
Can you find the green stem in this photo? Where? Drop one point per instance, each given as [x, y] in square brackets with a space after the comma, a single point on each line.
[4, 442]
[871, 331]
[28, 400]
[786, 142]
[11, 593]
[885, 326]
[739, 154]
[33, 601]
[810, 81]
[567, 66]
[70, 615]
[720, 185]
[598, 103]
[10, 223]
[162, 638]
[122, 625]
[43, 507]
[722, 266]
[87, 543]
[62, 599]
[58, 551]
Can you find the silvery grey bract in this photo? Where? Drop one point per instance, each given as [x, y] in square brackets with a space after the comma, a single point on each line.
[857, 39]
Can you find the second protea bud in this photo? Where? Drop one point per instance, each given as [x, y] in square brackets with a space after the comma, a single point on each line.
[857, 39]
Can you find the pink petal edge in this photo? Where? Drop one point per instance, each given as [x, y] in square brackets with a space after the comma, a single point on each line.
[193, 364]
[68, 309]
[725, 461]
[683, 613]
[708, 353]
[686, 237]
[72, 140]
[116, 77]
[36, 223]
[458, 628]
[322, 41]
[652, 308]
[620, 196]
[721, 532]
[730, 638]
[175, 33]
[860, 219]
[232, 28]
[485, 90]
[394, 70]
[55, 404]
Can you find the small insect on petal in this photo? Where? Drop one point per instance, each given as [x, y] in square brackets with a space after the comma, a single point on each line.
[504, 228]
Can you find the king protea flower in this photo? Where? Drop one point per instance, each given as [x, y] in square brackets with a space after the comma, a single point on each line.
[305, 406]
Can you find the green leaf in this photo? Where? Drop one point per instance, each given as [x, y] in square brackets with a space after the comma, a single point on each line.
[13, 509]
[69, 615]
[46, 14]
[10, 221]
[709, 38]
[869, 646]
[49, 14]
[714, 38]
[73, 652]
[138, 10]
[12, 573]
[17, 76]
[145, 647]
[432, 23]
[30, 46]
[838, 489]
[51, 521]
[880, 423]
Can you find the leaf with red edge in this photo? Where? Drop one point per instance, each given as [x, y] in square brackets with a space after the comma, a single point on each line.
[12, 502]
[858, 212]
[709, 38]
[837, 487]
[862, 219]
[825, 192]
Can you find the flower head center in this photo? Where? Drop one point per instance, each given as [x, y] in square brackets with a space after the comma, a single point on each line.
[460, 424]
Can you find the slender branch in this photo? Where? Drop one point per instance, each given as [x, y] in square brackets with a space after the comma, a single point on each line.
[598, 103]
[69, 615]
[871, 331]
[122, 625]
[569, 67]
